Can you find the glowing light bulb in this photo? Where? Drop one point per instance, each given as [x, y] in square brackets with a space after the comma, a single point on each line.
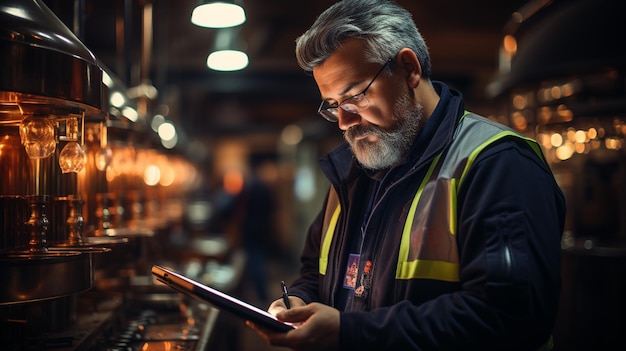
[105, 154]
[37, 135]
[72, 158]
[103, 158]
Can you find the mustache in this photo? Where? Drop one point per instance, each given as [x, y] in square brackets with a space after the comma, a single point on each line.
[358, 130]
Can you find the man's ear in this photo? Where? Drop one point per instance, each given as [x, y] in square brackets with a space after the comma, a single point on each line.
[410, 65]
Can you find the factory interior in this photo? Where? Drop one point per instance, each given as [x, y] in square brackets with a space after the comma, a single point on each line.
[120, 148]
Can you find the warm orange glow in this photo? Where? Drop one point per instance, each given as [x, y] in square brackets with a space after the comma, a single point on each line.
[519, 121]
[556, 139]
[544, 115]
[613, 143]
[580, 136]
[510, 44]
[565, 151]
[152, 175]
[567, 89]
[123, 159]
[110, 174]
[168, 175]
[544, 140]
[233, 182]
[565, 113]
[519, 102]
[571, 134]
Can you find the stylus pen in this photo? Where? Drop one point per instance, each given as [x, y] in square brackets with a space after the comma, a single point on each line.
[285, 294]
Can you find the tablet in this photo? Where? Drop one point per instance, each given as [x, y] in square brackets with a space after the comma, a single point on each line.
[219, 299]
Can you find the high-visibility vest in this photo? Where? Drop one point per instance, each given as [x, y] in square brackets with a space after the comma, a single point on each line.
[428, 248]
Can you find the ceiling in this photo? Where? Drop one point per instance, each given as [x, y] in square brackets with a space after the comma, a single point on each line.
[272, 91]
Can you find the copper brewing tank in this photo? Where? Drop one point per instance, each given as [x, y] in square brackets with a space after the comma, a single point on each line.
[45, 73]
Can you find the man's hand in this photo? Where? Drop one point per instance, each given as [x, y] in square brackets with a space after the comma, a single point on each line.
[279, 305]
[317, 327]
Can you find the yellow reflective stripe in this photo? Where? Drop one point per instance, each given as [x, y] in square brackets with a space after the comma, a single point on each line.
[453, 192]
[405, 269]
[465, 113]
[443, 269]
[500, 135]
[430, 269]
[535, 146]
[328, 238]
[452, 202]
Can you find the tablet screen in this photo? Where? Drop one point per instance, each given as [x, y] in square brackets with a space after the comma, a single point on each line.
[219, 299]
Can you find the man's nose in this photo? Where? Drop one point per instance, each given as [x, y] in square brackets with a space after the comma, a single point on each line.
[346, 119]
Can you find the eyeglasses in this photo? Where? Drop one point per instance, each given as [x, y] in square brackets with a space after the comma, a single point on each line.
[354, 104]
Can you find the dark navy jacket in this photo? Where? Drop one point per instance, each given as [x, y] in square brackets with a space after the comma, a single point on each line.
[510, 220]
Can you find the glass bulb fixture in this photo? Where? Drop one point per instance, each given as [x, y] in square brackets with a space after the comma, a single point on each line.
[104, 154]
[103, 158]
[37, 135]
[72, 158]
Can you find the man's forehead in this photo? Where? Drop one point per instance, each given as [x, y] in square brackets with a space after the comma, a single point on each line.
[344, 67]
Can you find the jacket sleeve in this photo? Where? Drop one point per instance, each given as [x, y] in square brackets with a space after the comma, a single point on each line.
[510, 215]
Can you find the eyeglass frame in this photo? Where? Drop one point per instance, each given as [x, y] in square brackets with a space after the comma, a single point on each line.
[334, 117]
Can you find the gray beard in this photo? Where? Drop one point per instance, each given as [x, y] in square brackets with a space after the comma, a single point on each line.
[391, 146]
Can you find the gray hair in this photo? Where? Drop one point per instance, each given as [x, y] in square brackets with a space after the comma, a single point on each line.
[382, 24]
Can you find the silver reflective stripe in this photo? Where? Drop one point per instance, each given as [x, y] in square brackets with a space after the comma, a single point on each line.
[428, 247]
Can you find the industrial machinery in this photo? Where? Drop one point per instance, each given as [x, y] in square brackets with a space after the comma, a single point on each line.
[77, 214]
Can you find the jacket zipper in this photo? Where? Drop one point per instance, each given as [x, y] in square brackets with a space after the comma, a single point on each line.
[507, 253]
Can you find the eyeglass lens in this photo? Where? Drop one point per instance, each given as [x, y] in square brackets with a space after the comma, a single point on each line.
[352, 104]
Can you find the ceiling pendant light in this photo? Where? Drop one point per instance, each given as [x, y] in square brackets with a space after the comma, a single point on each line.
[218, 14]
[227, 60]
[228, 51]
